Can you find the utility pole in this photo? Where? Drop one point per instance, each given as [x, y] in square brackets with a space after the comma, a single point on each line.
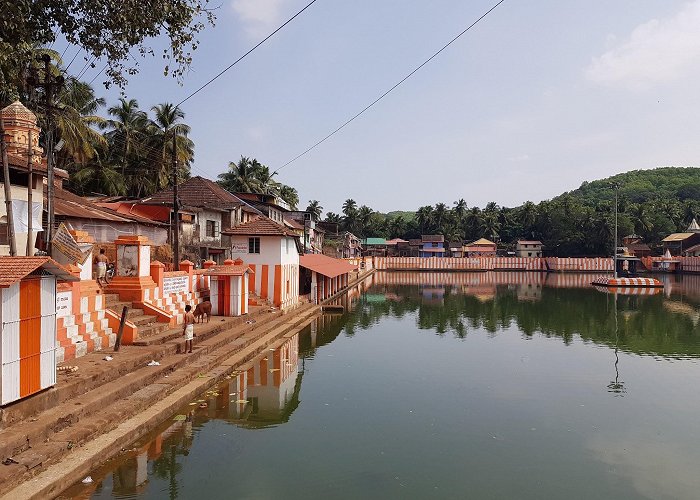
[617, 187]
[50, 84]
[30, 193]
[176, 209]
[8, 194]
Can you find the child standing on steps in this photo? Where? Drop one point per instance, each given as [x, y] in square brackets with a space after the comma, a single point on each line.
[188, 327]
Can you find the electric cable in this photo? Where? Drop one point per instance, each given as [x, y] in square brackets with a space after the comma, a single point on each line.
[409, 75]
[246, 54]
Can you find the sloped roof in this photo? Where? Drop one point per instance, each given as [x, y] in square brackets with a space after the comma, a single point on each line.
[529, 242]
[396, 241]
[259, 226]
[327, 266]
[228, 270]
[694, 227]
[482, 241]
[432, 238]
[293, 224]
[678, 237]
[13, 269]
[374, 241]
[197, 192]
[67, 204]
[692, 249]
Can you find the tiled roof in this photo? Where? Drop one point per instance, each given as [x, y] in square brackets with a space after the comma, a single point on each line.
[228, 270]
[197, 192]
[259, 226]
[678, 237]
[432, 238]
[395, 241]
[692, 249]
[415, 242]
[67, 204]
[529, 242]
[482, 241]
[327, 266]
[13, 269]
[293, 224]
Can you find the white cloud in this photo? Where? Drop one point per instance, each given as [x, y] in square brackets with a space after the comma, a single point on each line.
[259, 16]
[656, 51]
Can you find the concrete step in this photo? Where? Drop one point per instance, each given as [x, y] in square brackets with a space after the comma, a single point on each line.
[58, 425]
[151, 330]
[140, 319]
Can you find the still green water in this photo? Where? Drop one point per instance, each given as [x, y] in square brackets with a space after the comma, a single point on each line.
[477, 389]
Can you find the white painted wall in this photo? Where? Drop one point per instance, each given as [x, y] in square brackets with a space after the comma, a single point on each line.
[19, 194]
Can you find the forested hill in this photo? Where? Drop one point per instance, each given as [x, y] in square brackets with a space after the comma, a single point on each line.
[642, 186]
[652, 204]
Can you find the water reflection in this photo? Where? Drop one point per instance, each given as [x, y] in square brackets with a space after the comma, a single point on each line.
[554, 305]
[543, 385]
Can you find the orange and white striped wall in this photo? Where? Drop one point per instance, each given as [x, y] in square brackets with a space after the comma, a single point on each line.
[83, 324]
[229, 295]
[324, 287]
[275, 276]
[278, 283]
[28, 320]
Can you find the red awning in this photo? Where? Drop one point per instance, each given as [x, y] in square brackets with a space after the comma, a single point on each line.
[327, 266]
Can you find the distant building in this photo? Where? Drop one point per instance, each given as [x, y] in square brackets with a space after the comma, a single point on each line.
[456, 249]
[312, 236]
[678, 243]
[272, 251]
[205, 208]
[480, 248]
[528, 248]
[375, 247]
[392, 247]
[633, 245]
[432, 245]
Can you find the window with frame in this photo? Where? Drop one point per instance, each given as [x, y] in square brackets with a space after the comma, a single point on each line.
[4, 238]
[211, 229]
[254, 245]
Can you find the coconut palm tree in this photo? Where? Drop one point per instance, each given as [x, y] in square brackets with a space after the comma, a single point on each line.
[315, 209]
[240, 177]
[290, 195]
[127, 131]
[167, 123]
[424, 216]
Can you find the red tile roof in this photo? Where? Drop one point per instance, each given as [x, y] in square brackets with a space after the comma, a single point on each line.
[197, 192]
[13, 269]
[228, 270]
[259, 226]
[327, 266]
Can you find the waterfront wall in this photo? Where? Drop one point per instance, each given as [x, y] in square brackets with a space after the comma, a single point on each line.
[578, 265]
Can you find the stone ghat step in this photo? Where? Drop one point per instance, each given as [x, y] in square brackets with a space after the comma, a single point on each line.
[176, 333]
[142, 319]
[152, 329]
[95, 374]
[103, 408]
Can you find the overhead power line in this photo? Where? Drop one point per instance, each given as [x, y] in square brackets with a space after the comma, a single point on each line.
[249, 51]
[409, 75]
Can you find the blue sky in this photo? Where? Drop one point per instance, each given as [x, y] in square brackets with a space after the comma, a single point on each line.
[538, 97]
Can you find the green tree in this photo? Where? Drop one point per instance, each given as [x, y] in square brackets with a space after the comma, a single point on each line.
[315, 209]
[106, 31]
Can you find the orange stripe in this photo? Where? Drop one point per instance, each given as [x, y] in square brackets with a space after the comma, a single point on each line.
[29, 336]
[243, 299]
[263, 282]
[278, 286]
[251, 278]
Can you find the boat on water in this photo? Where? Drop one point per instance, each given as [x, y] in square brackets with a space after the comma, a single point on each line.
[624, 268]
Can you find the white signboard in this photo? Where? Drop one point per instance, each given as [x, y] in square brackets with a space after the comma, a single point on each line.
[176, 284]
[63, 304]
[240, 248]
